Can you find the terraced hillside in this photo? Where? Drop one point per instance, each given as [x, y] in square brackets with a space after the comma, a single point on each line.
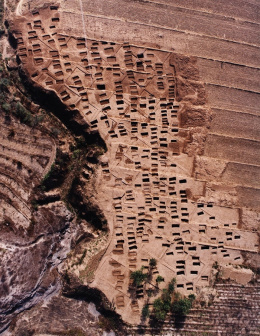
[33, 241]
[25, 158]
[232, 313]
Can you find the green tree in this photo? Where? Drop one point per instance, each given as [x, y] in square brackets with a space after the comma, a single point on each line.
[159, 279]
[152, 262]
[138, 277]
[171, 286]
[145, 311]
[182, 307]
[4, 83]
[161, 307]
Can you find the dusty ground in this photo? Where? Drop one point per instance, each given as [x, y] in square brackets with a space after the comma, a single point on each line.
[154, 118]
[178, 182]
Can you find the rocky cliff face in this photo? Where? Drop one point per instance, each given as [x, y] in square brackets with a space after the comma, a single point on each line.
[41, 165]
[34, 239]
[29, 267]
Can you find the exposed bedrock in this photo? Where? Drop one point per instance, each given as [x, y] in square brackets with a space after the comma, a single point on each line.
[37, 168]
[29, 265]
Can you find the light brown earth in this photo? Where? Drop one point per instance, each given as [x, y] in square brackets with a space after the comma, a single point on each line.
[150, 107]
[173, 89]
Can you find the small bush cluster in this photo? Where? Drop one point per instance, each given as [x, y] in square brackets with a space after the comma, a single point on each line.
[145, 311]
[13, 103]
[73, 332]
[162, 305]
[181, 307]
[171, 301]
[4, 84]
[138, 277]
[26, 117]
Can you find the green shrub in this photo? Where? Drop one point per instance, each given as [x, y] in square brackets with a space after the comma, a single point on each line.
[192, 297]
[145, 311]
[182, 307]
[171, 301]
[159, 279]
[6, 107]
[152, 262]
[138, 277]
[23, 114]
[171, 286]
[215, 265]
[83, 256]
[4, 83]
[74, 332]
[161, 308]
[76, 153]
[35, 205]
[55, 131]
[37, 120]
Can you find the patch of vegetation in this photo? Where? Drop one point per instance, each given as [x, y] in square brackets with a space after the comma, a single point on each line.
[25, 332]
[56, 175]
[152, 262]
[107, 323]
[55, 131]
[161, 308]
[12, 101]
[6, 107]
[35, 204]
[217, 272]
[172, 302]
[159, 279]
[145, 311]
[81, 259]
[182, 306]
[169, 302]
[4, 82]
[25, 116]
[215, 265]
[162, 305]
[138, 277]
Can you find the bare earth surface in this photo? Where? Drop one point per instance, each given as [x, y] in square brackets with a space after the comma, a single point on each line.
[172, 87]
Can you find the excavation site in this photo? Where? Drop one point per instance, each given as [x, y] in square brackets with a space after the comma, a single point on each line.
[129, 168]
